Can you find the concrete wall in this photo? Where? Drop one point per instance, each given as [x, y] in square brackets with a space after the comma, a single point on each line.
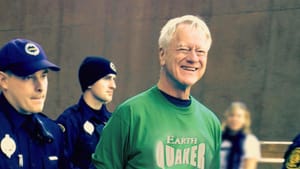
[254, 57]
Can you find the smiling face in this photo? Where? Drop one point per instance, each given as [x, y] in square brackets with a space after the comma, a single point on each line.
[26, 94]
[183, 61]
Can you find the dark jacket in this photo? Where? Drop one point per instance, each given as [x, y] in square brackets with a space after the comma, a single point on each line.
[29, 141]
[292, 155]
[83, 127]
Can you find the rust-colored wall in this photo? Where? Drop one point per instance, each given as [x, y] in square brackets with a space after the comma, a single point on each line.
[254, 57]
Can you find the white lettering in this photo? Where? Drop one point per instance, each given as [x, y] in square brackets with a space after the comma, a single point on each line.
[193, 140]
[178, 159]
[170, 139]
[201, 152]
[186, 153]
[160, 154]
[169, 156]
[193, 155]
[181, 140]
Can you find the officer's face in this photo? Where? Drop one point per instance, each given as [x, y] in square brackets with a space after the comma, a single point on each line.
[27, 94]
[103, 89]
[184, 60]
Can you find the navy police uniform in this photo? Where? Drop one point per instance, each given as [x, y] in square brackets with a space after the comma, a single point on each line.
[83, 127]
[292, 155]
[29, 141]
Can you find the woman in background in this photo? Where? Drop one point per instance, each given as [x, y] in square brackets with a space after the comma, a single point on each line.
[240, 149]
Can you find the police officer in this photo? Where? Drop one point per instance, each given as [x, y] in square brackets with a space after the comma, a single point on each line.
[83, 122]
[28, 139]
[292, 155]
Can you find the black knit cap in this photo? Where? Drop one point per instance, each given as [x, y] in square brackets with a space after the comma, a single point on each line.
[94, 68]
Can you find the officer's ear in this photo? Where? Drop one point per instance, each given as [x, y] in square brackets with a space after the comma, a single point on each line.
[3, 80]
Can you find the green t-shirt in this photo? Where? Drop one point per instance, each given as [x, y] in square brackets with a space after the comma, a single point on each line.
[149, 132]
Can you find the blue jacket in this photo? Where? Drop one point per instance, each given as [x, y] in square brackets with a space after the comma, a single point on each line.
[29, 141]
[83, 127]
[292, 155]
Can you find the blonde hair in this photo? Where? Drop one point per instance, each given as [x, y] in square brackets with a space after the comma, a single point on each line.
[234, 106]
[168, 30]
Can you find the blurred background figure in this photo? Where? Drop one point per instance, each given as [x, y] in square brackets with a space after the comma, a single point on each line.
[240, 149]
[292, 155]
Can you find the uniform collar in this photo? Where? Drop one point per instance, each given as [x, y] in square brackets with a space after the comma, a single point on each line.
[15, 118]
[103, 114]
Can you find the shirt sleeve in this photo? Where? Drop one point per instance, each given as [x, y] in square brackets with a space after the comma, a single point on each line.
[252, 147]
[111, 151]
[215, 164]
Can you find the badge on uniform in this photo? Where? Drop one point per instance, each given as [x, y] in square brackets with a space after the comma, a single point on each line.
[8, 145]
[88, 127]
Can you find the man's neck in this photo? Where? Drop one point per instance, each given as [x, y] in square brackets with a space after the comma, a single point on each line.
[182, 93]
[91, 101]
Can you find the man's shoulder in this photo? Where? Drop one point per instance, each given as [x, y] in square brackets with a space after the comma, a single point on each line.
[48, 122]
[5, 124]
[71, 117]
[202, 107]
[297, 139]
[2, 116]
[45, 119]
[70, 112]
[206, 113]
[139, 98]
[134, 105]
